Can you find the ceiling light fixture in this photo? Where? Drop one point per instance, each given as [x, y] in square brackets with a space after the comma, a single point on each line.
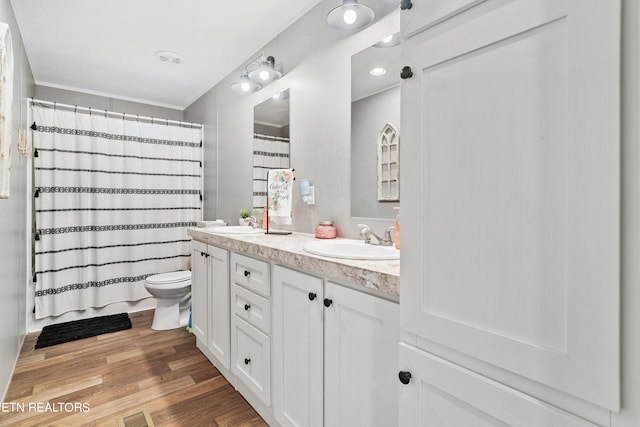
[350, 16]
[377, 71]
[244, 84]
[389, 41]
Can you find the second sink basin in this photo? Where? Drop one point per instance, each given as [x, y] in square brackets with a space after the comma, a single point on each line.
[351, 249]
[235, 229]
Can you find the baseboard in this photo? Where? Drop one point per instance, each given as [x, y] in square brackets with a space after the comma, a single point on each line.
[15, 363]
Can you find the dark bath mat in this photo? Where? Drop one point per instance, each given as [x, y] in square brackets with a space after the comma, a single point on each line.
[78, 329]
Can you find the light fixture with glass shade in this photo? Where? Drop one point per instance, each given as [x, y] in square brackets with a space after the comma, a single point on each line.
[265, 71]
[351, 15]
[244, 84]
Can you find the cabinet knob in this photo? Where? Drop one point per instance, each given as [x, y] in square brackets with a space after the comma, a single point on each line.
[328, 302]
[247, 273]
[312, 296]
[247, 361]
[406, 4]
[405, 377]
[406, 73]
[247, 307]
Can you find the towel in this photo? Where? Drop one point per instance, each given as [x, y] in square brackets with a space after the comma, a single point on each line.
[280, 195]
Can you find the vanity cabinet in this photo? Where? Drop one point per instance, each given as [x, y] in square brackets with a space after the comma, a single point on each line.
[511, 277]
[210, 300]
[326, 333]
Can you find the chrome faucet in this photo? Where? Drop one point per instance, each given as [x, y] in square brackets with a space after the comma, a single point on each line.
[253, 222]
[372, 238]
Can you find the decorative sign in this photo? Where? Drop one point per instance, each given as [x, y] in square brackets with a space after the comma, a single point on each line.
[388, 164]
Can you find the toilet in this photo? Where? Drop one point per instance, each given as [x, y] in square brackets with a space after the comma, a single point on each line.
[172, 292]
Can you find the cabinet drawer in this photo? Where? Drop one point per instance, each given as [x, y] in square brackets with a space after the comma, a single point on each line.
[250, 273]
[251, 358]
[251, 307]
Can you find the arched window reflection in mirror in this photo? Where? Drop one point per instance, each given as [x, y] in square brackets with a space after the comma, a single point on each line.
[270, 142]
[375, 106]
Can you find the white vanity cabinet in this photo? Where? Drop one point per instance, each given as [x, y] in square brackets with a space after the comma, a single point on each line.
[326, 333]
[210, 300]
[510, 282]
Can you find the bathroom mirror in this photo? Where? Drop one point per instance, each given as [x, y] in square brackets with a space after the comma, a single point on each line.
[270, 142]
[375, 129]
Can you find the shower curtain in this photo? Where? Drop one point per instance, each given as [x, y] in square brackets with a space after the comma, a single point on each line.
[269, 152]
[112, 199]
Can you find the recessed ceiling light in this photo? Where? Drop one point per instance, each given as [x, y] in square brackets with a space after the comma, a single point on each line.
[387, 39]
[378, 71]
[168, 56]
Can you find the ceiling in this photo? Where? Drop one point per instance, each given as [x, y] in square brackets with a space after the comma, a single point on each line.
[107, 47]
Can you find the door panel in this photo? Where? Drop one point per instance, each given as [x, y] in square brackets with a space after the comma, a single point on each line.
[298, 348]
[442, 394]
[199, 292]
[219, 335]
[517, 117]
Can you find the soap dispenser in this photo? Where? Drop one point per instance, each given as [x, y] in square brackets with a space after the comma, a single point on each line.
[396, 229]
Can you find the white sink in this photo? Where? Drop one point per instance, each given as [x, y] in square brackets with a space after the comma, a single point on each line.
[351, 249]
[235, 230]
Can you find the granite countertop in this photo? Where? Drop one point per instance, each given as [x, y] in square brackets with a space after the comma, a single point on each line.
[380, 277]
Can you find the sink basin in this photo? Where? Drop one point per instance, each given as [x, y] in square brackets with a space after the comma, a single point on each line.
[351, 249]
[235, 230]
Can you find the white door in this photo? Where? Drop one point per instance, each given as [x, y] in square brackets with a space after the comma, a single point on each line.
[361, 335]
[511, 130]
[297, 348]
[439, 393]
[219, 327]
[199, 285]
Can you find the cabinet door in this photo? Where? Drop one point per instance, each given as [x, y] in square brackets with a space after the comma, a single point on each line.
[219, 328]
[297, 348]
[199, 292]
[251, 358]
[441, 394]
[361, 335]
[511, 130]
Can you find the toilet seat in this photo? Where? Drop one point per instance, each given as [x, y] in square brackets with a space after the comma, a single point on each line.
[169, 278]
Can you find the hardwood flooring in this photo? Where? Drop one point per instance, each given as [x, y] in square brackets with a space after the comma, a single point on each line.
[94, 381]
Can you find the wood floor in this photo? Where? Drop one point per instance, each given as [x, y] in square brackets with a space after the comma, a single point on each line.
[94, 381]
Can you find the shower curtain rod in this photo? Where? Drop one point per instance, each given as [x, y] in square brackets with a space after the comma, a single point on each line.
[114, 113]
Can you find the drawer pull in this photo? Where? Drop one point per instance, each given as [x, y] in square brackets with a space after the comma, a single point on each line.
[328, 302]
[247, 307]
[405, 377]
[247, 273]
[247, 361]
[312, 296]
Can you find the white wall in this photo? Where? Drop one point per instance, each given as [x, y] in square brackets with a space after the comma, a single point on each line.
[47, 93]
[316, 62]
[629, 416]
[13, 217]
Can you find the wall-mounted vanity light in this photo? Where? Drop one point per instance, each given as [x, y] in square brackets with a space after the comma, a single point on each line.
[262, 73]
[266, 72]
[244, 84]
[350, 16]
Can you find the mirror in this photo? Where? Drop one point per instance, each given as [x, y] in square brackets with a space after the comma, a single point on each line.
[270, 142]
[375, 127]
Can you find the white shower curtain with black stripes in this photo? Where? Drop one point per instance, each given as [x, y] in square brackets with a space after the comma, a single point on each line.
[112, 198]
